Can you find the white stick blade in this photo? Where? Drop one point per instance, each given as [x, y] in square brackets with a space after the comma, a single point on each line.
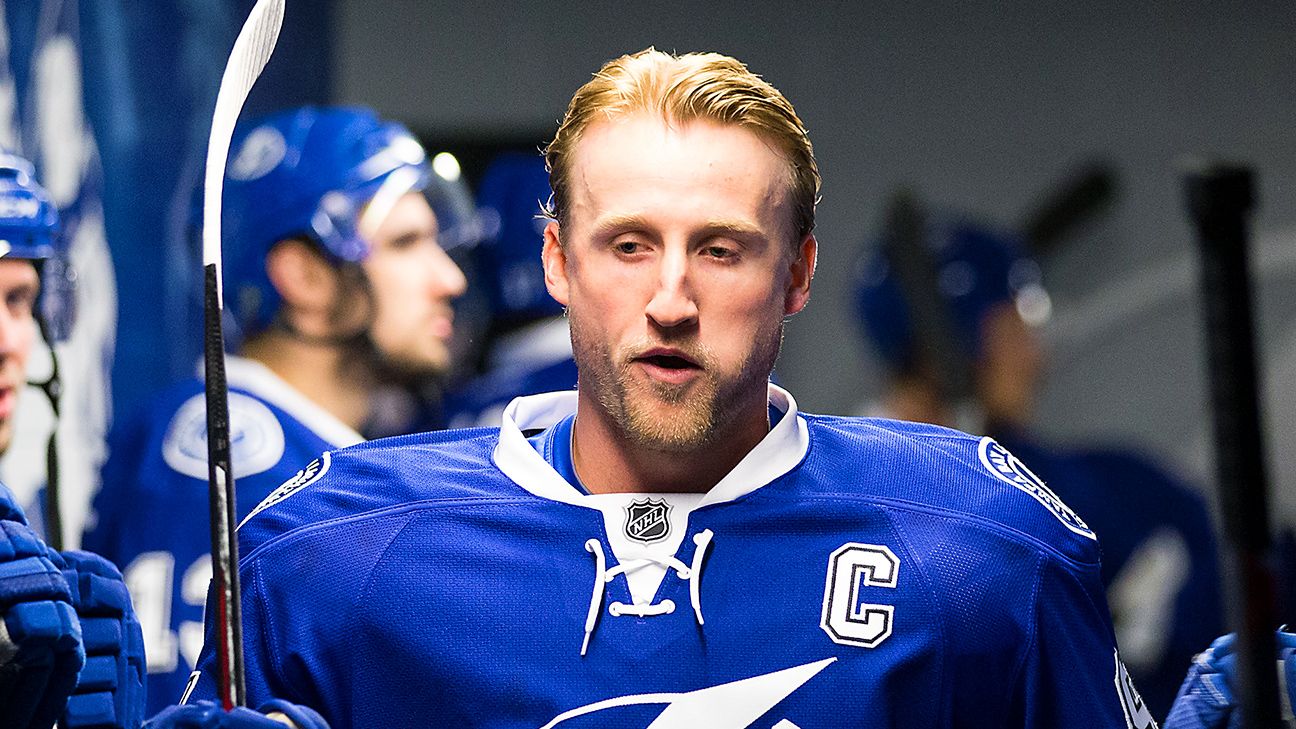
[252, 49]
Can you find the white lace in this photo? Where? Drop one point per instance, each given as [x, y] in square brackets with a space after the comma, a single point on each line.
[603, 575]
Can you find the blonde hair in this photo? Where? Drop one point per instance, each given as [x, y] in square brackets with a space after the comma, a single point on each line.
[694, 86]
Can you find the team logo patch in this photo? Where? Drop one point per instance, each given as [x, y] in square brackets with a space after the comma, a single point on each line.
[261, 151]
[648, 520]
[734, 705]
[1008, 469]
[305, 477]
[256, 437]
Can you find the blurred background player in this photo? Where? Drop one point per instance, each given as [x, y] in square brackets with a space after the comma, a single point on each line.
[1206, 700]
[70, 648]
[528, 348]
[952, 307]
[337, 278]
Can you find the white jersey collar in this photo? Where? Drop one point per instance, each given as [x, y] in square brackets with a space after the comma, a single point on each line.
[777, 453]
[256, 378]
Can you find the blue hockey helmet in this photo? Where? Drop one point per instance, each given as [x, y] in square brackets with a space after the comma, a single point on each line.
[977, 268]
[509, 197]
[29, 230]
[312, 173]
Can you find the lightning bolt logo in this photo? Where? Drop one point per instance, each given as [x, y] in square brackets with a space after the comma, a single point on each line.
[733, 705]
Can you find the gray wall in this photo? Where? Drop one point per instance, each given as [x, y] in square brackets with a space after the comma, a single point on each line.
[979, 108]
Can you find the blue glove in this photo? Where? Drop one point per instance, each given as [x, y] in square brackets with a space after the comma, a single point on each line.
[40, 639]
[109, 692]
[1205, 699]
[209, 715]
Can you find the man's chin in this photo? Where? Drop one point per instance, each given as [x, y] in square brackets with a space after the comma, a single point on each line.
[6, 435]
[415, 367]
[671, 424]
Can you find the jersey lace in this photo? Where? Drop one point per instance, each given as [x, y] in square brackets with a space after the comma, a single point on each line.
[603, 575]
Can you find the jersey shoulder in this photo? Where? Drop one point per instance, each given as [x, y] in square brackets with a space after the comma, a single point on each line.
[168, 438]
[971, 479]
[385, 476]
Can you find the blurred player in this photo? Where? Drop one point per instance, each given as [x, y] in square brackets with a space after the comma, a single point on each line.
[70, 648]
[1159, 562]
[530, 346]
[674, 544]
[1207, 698]
[337, 278]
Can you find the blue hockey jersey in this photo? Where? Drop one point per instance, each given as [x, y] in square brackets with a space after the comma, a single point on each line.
[1158, 553]
[847, 573]
[151, 512]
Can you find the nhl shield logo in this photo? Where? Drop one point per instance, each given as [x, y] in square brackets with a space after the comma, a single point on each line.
[647, 520]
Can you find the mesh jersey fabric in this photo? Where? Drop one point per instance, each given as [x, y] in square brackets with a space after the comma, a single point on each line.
[411, 582]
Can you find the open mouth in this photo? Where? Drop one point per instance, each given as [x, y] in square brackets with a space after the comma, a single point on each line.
[669, 362]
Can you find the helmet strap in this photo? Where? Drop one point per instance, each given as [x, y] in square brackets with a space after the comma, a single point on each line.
[52, 386]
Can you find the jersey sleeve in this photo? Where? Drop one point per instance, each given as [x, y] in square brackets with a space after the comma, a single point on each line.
[304, 561]
[1072, 675]
[262, 677]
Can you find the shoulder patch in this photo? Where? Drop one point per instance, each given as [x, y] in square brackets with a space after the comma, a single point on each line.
[256, 437]
[305, 477]
[1007, 468]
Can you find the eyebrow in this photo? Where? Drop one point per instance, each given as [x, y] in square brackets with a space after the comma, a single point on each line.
[414, 234]
[737, 228]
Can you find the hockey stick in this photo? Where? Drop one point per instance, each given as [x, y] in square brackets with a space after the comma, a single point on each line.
[940, 354]
[1220, 198]
[1079, 197]
[52, 386]
[255, 43]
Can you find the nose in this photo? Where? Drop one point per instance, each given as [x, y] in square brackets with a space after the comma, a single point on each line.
[673, 303]
[448, 281]
[11, 330]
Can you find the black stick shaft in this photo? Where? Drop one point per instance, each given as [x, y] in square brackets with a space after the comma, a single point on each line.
[1220, 200]
[940, 354]
[53, 389]
[220, 479]
[53, 493]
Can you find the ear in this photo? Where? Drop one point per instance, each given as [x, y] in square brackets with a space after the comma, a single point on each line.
[554, 259]
[305, 281]
[802, 271]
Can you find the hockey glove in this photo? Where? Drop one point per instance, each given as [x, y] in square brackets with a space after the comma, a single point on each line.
[209, 715]
[1205, 699]
[40, 638]
[109, 692]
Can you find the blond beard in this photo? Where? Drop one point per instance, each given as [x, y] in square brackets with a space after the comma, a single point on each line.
[693, 415]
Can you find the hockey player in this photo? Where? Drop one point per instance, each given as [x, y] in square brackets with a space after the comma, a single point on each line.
[70, 648]
[338, 281]
[674, 544]
[1158, 558]
[530, 348]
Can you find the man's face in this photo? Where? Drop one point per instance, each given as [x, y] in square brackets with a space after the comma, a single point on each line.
[19, 285]
[413, 282]
[678, 262]
[1010, 366]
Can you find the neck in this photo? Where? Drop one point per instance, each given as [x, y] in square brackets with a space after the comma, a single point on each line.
[607, 460]
[321, 372]
[915, 400]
